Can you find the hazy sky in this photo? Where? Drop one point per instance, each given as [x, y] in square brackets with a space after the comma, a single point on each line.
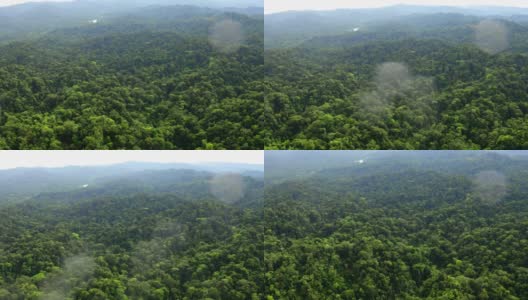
[12, 2]
[14, 159]
[284, 5]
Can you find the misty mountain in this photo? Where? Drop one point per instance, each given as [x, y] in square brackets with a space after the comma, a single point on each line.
[328, 166]
[167, 76]
[453, 28]
[21, 184]
[34, 19]
[232, 188]
[409, 21]
[145, 220]
[187, 21]
[416, 221]
[399, 77]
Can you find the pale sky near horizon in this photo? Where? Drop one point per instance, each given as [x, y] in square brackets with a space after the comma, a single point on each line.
[13, 2]
[273, 6]
[16, 159]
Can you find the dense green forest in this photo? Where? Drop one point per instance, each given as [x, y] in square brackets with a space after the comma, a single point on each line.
[396, 225]
[152, 234]
[397, 78]
[140, 77]
[318, 225]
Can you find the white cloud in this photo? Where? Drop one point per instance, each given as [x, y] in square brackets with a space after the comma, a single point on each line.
[285, 5]
[14, 159]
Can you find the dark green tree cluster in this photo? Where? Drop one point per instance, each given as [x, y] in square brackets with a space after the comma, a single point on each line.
[403, 232]
[397, 89]
[140, 246]
[145, 83]
[405, 225]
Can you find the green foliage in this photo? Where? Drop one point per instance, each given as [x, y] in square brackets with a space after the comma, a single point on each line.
[397, 227]
[420, 82]
[137, 246]
[146, 82]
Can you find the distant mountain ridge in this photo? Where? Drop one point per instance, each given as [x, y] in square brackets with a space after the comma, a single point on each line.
[24, 183]
[33, 19]
[282, 29]
[452, 28]
[327, 165]
[406, 9]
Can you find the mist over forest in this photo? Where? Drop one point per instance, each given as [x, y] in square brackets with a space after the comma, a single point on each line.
[131, 231]
[131, 75]
[398, 77]
[314, 223]
[396, 224]
[310, 225]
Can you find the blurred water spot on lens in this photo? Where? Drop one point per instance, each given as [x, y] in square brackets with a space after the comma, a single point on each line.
[228, 188]
[492, 36]
[226, 35]
[490, 186]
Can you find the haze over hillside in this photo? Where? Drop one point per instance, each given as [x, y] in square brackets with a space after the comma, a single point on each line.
[328, 22]
[21, 184]
[65, 224]
[35, 17]
[224, 3]
[276, 6]
[398, 77]
[397, 225]
[281, 165]
[163, 74]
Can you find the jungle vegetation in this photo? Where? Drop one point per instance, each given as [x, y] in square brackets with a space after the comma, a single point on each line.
[160, 233]
[131, 75]
[318, 225]
[408, 225]
[399, 77]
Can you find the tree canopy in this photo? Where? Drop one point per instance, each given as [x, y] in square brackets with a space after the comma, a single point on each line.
[161, 78]
[425, 81]
[399, 227]
[173, 238]
[332, 225]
